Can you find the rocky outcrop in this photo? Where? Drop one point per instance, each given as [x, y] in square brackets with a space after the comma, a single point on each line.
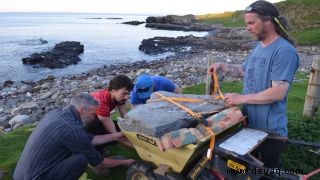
[62, 55]
[179, 23]
[222, 40]
[135, 23]
[173, 19]
[194, 27]
[114, 18]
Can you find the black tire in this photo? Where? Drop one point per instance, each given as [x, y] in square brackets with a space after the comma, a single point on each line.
[174, 176]
[140, 170]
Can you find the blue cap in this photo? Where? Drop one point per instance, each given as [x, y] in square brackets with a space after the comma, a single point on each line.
[144, 86]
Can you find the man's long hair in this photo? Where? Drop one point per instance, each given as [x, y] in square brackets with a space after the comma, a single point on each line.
[267, 11]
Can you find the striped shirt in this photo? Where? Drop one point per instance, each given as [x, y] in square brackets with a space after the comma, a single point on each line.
[59, 135]
[106, 104]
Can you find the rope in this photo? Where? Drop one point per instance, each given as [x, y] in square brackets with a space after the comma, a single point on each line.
[216, 87]
[179, 99]
[196, 116]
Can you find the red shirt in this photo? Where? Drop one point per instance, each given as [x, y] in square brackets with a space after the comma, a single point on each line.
[106, 105]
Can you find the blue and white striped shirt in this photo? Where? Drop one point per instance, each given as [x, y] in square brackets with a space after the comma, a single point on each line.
[59, 135]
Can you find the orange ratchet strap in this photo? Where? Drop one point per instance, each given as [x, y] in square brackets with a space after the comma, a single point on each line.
[216, 87]
[196, 116]
[179, 99]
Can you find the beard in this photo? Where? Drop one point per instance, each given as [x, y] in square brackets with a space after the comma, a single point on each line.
[121, 102]
[261, 35]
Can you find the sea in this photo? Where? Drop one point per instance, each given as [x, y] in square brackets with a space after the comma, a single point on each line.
[106, 41]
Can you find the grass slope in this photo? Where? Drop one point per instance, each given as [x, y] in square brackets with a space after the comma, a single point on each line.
[303, 15]
[300, 127]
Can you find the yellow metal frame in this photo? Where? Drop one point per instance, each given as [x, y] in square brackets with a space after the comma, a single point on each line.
[177, 158]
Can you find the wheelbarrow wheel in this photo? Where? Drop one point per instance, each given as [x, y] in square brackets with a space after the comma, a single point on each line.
[140, 171]
[174, 176]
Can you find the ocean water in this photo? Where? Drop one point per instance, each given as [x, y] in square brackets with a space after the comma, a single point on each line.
[106, 41]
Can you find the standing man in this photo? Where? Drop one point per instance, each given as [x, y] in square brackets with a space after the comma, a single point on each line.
[147, 84]
[60, 148]
[114, 96]
[268, 72]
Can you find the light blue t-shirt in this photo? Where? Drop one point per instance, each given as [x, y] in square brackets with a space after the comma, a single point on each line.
[159, 83]
[276, 62]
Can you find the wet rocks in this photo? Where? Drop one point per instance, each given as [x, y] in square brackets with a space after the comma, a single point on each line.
[222, 40]
[7, 83]
[135, 23]
[179, 23]
[62, 55]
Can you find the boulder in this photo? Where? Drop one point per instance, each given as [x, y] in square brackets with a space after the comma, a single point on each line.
[62, 55]
[159, 117]
[19, 119]
[7, 83]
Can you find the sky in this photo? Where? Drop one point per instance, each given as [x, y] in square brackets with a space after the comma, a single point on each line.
[148, 7]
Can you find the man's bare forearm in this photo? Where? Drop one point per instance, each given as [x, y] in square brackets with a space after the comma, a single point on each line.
[102, 139]
[234, 70]
[277, 92]
[108, 124]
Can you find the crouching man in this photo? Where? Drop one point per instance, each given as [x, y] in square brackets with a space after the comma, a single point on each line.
[60, 148]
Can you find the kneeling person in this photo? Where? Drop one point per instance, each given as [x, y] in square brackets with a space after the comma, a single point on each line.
[147, 84]
[114, 96]
[60, 148]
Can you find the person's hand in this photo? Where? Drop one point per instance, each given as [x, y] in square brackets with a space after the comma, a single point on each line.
[125, 141]
[233, 99]
[118, 136]
[129, 162]
[214, 67]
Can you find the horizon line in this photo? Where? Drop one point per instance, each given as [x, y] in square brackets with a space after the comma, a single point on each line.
[145, 14]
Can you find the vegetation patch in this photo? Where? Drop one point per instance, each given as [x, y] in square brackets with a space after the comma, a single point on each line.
[303, 15]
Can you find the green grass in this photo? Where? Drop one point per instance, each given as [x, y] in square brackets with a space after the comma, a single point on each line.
[300, 127]
[118, 172]
[307, 37]
[303, 15]
[228, 19]
[11, 146]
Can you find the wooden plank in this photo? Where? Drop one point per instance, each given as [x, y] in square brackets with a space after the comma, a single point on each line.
[312, 100]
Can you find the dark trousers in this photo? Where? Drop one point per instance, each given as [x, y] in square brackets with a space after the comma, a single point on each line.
[69, 169]
[96, 127]
[269, 152]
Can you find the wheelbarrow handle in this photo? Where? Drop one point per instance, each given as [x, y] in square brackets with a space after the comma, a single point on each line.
[303, 143]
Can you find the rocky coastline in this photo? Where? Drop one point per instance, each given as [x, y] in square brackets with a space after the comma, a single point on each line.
[26, 102]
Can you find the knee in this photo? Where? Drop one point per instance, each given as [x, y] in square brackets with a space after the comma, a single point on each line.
[81, 159]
